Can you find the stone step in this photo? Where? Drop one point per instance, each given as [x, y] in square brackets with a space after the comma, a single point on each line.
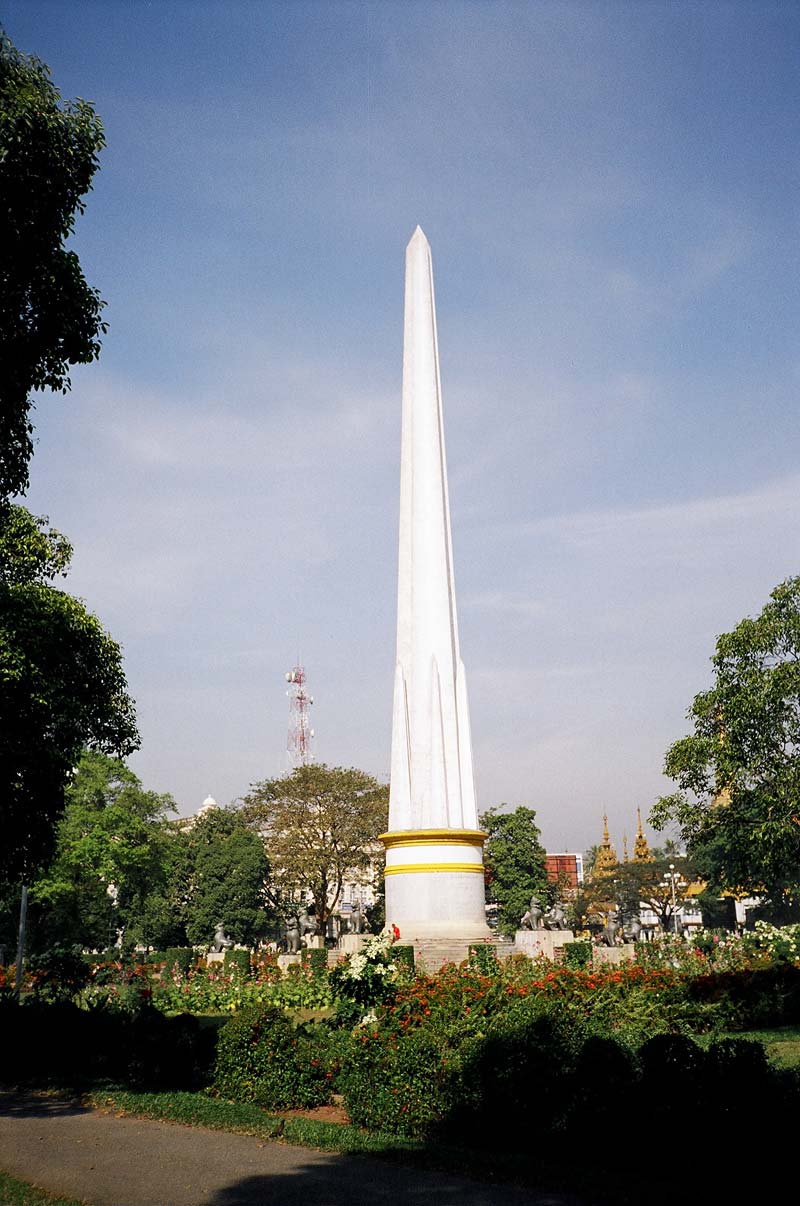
[432, 953]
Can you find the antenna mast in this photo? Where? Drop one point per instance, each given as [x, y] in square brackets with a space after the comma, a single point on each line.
[298, 744]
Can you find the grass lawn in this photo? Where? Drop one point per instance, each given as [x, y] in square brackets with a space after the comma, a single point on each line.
[20, 1193]
[782, 1046]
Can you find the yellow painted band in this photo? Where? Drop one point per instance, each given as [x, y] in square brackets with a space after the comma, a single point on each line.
[415, 868]
[434, 837]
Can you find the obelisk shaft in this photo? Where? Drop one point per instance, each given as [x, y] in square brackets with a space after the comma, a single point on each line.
[432, 795]
[431, 758]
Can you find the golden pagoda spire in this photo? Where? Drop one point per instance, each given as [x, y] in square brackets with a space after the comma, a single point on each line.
[624, 847]
[641, 849]
[605, 863]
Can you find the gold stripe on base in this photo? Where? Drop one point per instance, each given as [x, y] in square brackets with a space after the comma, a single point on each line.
[434, 837]
[414, 868]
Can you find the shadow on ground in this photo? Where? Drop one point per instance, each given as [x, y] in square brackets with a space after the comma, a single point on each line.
[344, 1180]
[15, 1104]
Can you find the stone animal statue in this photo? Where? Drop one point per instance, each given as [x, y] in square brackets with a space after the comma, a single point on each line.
[307, 925]
[632, 928]
[221, 940]
[356, 919]
[555, 918]
[292, 935]
[533, 919]
[611, 928]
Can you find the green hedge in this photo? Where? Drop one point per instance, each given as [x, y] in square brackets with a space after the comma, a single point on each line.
[316, 959]
[147, 1050]
[262, 1057]
[483, 957]
[405, 1087]
[237, 961]
[577, 954]
[403, 955]
[181, 957]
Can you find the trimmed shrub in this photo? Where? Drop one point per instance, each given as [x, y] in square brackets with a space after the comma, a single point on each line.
[316, 960]
[62, 1043]
[406, 1087]
[58, 974]
[181, 957]
[483, 957]
[753, 998]
[237, 961]
[605, 1075]
[403, 956]
[262, 1057]
[151, 1051]
[577, 955]
[524, 1049]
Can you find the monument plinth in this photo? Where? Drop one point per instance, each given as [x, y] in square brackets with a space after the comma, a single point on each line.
[434, 848]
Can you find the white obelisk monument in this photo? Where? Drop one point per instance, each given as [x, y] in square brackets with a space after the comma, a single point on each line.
[434, 848]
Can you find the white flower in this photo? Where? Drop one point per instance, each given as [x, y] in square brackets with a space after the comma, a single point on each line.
[357, 965]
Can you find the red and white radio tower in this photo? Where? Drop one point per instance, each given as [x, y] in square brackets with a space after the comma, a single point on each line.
[298, 744]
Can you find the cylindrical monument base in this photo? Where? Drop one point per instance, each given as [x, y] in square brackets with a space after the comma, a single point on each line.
[435, 883]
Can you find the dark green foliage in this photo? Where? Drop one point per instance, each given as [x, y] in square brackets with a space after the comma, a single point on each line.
[112, 832]
[403, 956]
[58, 974]
[578, 954]
[262, 1057]
[225, 864]
[738, 773]
[673, 1070]
[604, 1076]
[317, 960]
[514, 858]
[180, 957]
[405, 1087]
[751, 998]
[49, 316]
[238, 962]
[483, 957]
[522, 1047]
[62, 688]
[144, 1049]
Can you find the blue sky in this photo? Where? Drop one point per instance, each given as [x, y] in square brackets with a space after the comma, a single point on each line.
[610, 191]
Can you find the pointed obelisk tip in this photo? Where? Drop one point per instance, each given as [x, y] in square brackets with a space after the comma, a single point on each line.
[418, 237]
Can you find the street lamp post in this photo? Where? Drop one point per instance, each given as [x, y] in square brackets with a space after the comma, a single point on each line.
[672, 877]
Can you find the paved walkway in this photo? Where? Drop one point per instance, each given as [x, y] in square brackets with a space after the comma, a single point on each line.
[110, 1161]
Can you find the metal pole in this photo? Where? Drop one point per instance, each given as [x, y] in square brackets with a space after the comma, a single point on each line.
[674, 906]
[23, 919]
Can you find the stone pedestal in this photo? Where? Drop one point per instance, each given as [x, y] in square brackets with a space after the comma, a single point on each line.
[609, 956]
[285, 961]
[534, 943]
[350, 944]
[215, 957]
[314, 942]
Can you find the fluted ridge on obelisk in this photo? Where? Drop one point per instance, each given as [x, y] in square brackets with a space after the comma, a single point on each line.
[434, 848]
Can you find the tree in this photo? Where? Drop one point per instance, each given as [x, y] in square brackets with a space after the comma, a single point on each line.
[62, 688]
[49, 315]
[226, 872]
[108, 855]
[738, 773]
[514, 859]
[319, 824]
[650, 884]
